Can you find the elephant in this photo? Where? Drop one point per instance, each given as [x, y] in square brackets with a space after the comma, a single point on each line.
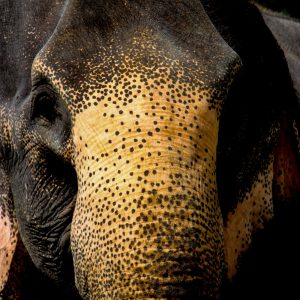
[148, 150]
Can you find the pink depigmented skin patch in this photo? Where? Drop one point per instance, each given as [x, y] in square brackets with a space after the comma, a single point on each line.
[8, 242]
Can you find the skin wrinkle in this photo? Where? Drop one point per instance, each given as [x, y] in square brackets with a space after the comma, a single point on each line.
[43, 216]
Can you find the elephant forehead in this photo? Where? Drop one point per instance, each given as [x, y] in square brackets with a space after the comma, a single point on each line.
[143, 63]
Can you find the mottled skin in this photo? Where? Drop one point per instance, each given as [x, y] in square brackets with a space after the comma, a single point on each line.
[152, 131]
[141, 115]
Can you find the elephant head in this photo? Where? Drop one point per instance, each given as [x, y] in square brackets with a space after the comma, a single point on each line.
[110, 145]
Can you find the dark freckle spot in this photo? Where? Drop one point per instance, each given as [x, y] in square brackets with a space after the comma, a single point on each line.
[146, 173]
[157, 129]
[150, 133]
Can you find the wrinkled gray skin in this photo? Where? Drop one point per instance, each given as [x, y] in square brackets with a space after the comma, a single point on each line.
[143, 144]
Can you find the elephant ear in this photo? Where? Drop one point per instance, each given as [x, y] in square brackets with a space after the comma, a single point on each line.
[8, 229]
[286, 32]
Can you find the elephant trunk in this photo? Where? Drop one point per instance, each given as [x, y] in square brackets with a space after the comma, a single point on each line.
[147, 223]
[151, 243]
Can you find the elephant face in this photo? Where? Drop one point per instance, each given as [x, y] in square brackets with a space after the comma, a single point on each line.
[128, 106]
[112, 147]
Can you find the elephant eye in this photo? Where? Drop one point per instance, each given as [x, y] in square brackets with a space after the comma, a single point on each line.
[48, 115]
[44, 110]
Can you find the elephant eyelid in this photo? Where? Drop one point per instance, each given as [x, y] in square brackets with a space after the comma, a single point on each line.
[44, 103]
[40, 81]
